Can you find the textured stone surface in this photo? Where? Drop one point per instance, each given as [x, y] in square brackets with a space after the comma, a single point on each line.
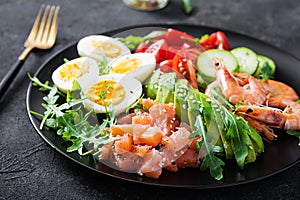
[30, 169]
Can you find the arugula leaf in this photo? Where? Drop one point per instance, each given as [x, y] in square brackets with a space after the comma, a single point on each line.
[104, 68]
[210, 160]
[132, 41]
[296, 134]
[43, 86]
[266, 72]
[72, 123]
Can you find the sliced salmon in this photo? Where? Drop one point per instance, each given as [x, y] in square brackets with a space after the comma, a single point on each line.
[127, 161]
[106, 151]
[124, 144]
[188, 159]
[152, 136]
[179, 141]
[121, 129]
[152, 166]
[147, 103]
[141, 150]
[143, 118]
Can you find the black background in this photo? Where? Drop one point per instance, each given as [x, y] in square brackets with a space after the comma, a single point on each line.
[31, 169]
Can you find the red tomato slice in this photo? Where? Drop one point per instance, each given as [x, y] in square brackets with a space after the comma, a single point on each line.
[166, 66]
[184, 63]
[223, 41]
[141, 48]
[158, 49]
[172, 51]
[216, 40]
[179, 38]
[209, 43]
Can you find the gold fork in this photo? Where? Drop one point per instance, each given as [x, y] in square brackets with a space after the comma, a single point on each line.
[41, 36]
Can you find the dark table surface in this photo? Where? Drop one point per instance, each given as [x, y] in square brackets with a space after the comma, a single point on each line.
[31, 169]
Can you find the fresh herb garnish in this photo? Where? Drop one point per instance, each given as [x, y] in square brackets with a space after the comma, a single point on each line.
[104, 67]
[42, 86]
[70, 122]
[133, 41]
[210, 160]
[266, 72]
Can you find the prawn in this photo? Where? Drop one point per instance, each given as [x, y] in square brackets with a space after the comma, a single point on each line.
[251, 93]
[262, 128]
[279, 94]
[287, 119]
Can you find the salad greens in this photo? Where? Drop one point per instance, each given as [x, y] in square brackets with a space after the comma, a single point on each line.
[69, 120]
[132, 41]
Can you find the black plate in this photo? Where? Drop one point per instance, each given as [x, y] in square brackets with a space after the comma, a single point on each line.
[278, 156]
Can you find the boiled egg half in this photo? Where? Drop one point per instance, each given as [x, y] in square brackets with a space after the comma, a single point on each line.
[138, 65]
[97, 46]
[78, 68]
[111, 92]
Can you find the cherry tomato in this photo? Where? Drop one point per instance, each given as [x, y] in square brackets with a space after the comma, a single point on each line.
[216, 40]
[172, 51]
[166, 66]
[158, 49]
[223, 41]
[141, 48]
[184, 63]
[210, 42]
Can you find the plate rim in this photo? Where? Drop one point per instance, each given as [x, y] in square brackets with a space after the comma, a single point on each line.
[165, 25]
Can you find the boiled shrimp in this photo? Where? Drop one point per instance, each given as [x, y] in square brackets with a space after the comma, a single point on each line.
[287, 119]
[251, 93]
[262, 128]
[278, 94]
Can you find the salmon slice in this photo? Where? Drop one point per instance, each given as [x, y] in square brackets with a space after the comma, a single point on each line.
[152, 166]
[121, 129]
[160, 118]
[127, 161]
[138, 130]
[152, 136]
[147, 103]
[179, 141]
[141, 150]
[189, 159]
[124, 144]
[106, 151]
[143, 118]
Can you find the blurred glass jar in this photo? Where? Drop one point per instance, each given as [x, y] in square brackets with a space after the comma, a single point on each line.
[146, 5]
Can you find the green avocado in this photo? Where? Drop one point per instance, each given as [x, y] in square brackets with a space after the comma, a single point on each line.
[165, 91]
[180, 99]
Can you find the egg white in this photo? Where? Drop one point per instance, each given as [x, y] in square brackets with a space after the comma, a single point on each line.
[93, 46]
[132, 87]
[88, 67]
[147, 63]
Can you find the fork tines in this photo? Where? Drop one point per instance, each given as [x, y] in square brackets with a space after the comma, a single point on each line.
[45, 26]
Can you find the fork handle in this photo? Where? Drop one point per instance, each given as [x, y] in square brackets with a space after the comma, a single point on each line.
[9, 77]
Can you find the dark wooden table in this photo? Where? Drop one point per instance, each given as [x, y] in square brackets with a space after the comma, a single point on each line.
[31, 169]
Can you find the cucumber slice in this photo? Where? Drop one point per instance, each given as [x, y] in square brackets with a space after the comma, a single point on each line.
[266, 67]
[247, 59]
[206, 67]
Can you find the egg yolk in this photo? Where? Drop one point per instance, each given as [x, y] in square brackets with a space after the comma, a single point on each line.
[110, 49]
[126, 65]
[106, 92]
[72, 71]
